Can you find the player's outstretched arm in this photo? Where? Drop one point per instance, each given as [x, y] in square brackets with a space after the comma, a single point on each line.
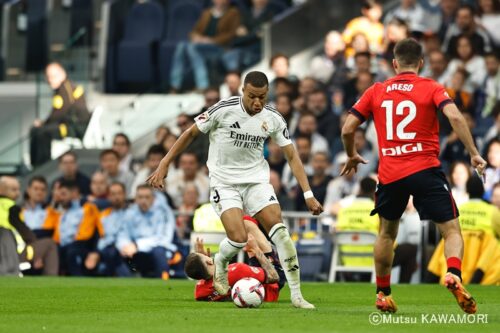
[348, 130]
[298, 171]
[460, 127]
[156, 179]
[253, 249]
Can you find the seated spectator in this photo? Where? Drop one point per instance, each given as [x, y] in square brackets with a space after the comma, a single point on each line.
[457, 90]
[77, 229]
[495, 200]
[465, 24]
[189, 172]
[306, 86]
[38, 216]
[69, 116]
[214, 31]
[68, 167]
[488, 18]
[121, 144]
[153, 158]
[169, 141]
[448, 10]
[280, 65]
[339, 187]
[355, 88]
[276, 158]
[437, 67]
[494, 131]
[246, 47]
[359, 44]
[454, 150]
[329, 67]
[18, 242]
[283, 86]
[369, 23]
[106, 259]
[491, 86]
[211, 96]
[285, 202]
[284, 106]
[319, 180]
[364, 148]
[395, 31]
[308, 127]
[326, 120]
[492, 172]
[459, 175]
[190, 203]
[364, 62]
[161, 133]
[303, 145]
[109, 162]
[231, 86]
[146, 238]
[99, 190]
[410, 11]
[470, 61]
[199, 145]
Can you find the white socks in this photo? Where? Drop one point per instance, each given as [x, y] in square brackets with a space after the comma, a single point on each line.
[228, 249]
[288, 257]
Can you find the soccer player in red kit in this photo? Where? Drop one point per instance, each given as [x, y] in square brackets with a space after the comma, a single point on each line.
[264, 266]
[404, 109]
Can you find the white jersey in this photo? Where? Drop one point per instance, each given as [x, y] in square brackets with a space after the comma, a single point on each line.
[237, 141]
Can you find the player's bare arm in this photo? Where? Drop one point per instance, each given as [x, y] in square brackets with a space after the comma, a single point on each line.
[298, 171]
[350, 126]
[460, 127]
[253, 249]
[156, 179]
[200, 248]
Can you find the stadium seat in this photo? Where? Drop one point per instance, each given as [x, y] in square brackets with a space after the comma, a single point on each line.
[136, 58]
[181, 18]
[357, 238]
[36, 36]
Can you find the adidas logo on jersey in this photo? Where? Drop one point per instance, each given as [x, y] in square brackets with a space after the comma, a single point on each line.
[235, 125]
[272, 198]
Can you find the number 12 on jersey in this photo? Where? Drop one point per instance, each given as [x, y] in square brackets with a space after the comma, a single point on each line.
[401, 108]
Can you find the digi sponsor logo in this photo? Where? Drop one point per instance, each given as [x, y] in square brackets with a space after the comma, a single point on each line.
[402, 150]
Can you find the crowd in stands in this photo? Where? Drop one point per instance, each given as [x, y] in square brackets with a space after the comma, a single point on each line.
[461, 43]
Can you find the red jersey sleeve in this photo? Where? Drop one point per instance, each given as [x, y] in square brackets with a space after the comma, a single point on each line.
[205, 291]
[362, 109]
[240, 270]
[441, 97]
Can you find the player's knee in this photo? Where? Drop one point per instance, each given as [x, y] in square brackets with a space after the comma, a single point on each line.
[239, 237]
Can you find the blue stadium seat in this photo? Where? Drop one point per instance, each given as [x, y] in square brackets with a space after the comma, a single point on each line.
[36, 36]
[182, 17]
[136, 58]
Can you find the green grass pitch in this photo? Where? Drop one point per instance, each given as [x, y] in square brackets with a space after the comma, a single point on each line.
[74, 305]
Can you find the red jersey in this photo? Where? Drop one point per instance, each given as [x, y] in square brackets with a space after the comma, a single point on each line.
[205, 291]
[404, 110]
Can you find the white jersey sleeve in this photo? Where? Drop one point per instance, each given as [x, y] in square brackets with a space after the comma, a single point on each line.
[279, 132]
[208, 120]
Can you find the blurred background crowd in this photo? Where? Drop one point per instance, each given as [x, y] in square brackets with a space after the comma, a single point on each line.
[106, 222]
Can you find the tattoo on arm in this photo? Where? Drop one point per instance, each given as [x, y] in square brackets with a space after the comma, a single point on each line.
[271, 274]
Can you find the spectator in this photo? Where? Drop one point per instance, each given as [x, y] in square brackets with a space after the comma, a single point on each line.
[199, 146]
[437, 68]
[410, 11]
[495, 200]
[326, 120]
[69, 116]
[214, 31]
[492, 172]
[276, 159]
[232, 85]
[77, 229]
[453, 149]
[449, 10]
[369, 24]
[246, 47]
[491, 86]
[121, 144]
[329, 67]
[38, 216]
[364, 147]
[189, 172]
[457, 90]
[306, 86]
[488, 18]
[211, 96]
[284, 106]
[40, 253]
[99, 190]
[494, 131]
[68, 167]
[169, 142]
[190, 202]
[161, 133]
[469, 60]
[459, 174]
[466, 25]
[303, 146]
[359, 44]
[319, 180]
[280, 65]
[146, 238]
[395, 31]
[153, 158]
[308, 127]
[106, 260]
[109, 161]
[285, 202]
[339, 187]
[356, 87]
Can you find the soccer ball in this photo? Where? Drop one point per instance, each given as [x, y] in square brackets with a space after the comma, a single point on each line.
[248, 293]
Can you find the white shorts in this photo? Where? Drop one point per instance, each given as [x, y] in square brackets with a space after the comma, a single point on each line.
[251, 198]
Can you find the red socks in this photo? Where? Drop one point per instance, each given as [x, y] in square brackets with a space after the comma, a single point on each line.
[384, 284]
[454, 266]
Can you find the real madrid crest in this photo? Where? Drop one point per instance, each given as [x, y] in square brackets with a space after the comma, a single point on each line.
[264, 127]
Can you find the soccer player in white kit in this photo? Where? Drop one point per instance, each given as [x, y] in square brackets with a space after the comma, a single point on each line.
[239, 176]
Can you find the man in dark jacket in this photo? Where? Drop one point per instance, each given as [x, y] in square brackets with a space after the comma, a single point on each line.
[69, 116]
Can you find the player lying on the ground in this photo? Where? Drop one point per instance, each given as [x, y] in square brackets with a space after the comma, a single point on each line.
[263, 266]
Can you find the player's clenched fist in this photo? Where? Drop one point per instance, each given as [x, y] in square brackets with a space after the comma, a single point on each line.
[479, 164]
[157, 178]
[314, 206]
